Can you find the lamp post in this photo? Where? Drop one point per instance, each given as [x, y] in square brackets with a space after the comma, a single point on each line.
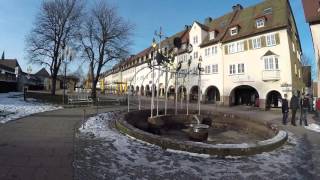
[160, 51]
[152, 68]
[190, 48]
[199, 84]
[66, 56]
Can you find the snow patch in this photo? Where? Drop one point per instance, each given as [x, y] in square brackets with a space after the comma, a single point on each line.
[313, 127]
[13, 102]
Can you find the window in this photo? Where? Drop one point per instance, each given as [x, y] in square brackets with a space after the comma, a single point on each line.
[232, 69]
[295, 69]
[271, 63]
[195, 40]
[212, 35]
[231, 48]
[207, 51]
[195, 55]
[234, 31]
[215, 68]
[299, 73]
[271, 40]
[209, 69]
[293, 47]
[260, 23]
[240, 46]
[240, 68]
[256, 43]
[214, 50]
[267, 11]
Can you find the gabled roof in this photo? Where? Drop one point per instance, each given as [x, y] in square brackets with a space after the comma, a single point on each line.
[43, 73]
[270, 53]
[12, 63]
[204, 27]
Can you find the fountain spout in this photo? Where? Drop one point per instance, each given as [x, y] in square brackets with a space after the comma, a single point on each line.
[196, 118]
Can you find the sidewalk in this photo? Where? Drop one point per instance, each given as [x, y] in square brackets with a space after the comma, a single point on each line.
[41, 146]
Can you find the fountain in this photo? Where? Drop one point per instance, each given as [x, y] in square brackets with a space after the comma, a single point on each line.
[228, 134]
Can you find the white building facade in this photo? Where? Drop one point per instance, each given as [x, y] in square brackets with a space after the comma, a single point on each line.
[246, 59]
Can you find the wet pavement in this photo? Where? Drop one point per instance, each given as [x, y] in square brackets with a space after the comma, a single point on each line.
[101, 152]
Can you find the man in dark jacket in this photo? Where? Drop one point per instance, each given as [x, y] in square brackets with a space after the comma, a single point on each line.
[285, 109]
[294, 106]
[305, 106]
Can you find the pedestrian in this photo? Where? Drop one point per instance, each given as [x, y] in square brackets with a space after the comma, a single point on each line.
[285, 109]
[305, 106]
[318, 108]
[294, 106]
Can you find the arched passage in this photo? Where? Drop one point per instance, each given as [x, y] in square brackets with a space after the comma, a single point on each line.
[244, 95]
[212, 94]
[137, 90]
[142, 91]
[182, 92]
[148, 91]
[171, 92]
[194, 93]
[273, 99]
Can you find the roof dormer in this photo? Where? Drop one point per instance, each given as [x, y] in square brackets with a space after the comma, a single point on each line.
[260, 22]
[234, 30]
[213, 34]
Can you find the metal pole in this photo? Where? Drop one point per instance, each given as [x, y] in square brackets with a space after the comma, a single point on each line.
[152, 86]
[129, 99]
[199, 91]
[160, 36]
[176, 94]
[188, 90]
[64, 82]
[166, 91]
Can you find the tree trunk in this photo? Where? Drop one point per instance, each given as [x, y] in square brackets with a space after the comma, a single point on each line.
[53, 85]
[94, 90]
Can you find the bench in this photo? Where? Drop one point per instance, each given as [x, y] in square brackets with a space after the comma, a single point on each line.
[108, 101]
[79, 99]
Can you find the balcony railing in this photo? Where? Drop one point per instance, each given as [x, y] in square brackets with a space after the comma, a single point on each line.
[8, 78]
[270, 75]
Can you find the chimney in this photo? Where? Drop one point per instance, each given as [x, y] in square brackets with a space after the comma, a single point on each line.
[207, 20]
[237, 7]
[186, 27]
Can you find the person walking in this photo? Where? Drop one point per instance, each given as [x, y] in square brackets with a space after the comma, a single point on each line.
[318, 108]
[294, 106]
[305, 106]
[285, 110]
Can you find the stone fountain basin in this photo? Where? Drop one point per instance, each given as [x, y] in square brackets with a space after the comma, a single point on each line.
[138, 125]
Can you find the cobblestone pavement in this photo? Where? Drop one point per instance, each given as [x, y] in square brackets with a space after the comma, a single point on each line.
[103, 153]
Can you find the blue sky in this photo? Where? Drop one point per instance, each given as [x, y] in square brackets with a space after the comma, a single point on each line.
[17, 17]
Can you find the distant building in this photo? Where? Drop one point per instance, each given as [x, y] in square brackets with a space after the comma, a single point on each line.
[312, 14]
[9, 71]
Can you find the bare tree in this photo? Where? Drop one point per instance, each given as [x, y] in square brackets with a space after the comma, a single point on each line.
[55, 28]
[104, 37]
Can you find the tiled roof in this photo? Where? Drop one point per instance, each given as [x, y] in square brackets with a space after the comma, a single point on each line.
[311, 10]
[246, 19]
[12, 63]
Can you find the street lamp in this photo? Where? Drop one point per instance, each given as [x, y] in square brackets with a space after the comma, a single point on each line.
[200, 69]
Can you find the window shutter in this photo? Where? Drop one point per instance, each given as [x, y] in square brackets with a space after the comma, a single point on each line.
[277, 39]
[250, 43]
[226, 49]
[245, 45]
[263, 41]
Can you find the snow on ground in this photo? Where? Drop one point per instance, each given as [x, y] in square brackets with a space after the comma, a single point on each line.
[313, 127]
[104, 153]
[13, 102]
